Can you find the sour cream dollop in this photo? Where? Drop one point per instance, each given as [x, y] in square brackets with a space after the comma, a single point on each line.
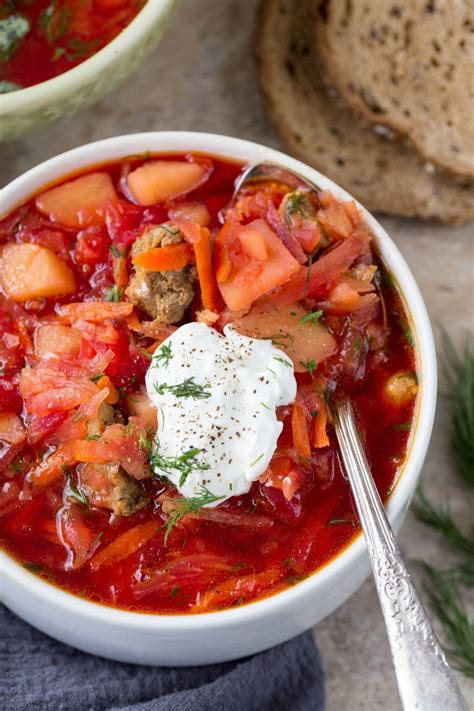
[216, 398]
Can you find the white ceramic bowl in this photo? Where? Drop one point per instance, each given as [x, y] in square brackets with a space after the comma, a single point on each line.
[26, 109]
[229, 634]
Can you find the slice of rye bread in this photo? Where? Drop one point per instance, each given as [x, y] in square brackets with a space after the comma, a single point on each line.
[384, 175]
[408, 66]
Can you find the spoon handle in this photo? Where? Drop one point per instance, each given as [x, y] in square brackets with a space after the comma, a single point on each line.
[424, 678]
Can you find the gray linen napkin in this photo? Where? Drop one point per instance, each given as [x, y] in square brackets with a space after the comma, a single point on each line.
[39, 674]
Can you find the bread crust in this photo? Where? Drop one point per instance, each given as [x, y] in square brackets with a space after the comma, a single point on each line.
[407, 66]
[322, 131]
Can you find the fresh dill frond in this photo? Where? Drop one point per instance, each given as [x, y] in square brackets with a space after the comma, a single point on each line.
[73, 492]
[458, 371]
[310, 366]
[184, 463]
[441, 519]
[193, 505]
[447, 604]
[188, 388]
[163, 355]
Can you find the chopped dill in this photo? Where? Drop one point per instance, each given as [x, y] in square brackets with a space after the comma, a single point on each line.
[313, 317]
[257, 460]
[163, 355]
[188, 388]
[73, 492]
[184, 463]
[283, 360]
[310, 366]
[193, 505]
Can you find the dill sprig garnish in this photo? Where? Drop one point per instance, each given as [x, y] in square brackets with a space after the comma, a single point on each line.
[193, 505]
[458, 372]
[184, 463]
[188, 388]
[163, 355]
[447, 604]
[441, 519]
[443, 587]
[73, 492]
[310, 366]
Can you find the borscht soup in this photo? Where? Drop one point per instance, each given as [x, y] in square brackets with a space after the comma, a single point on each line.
[170, 356]
[40, 39]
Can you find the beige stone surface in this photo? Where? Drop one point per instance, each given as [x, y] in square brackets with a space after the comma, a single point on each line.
[202, 77]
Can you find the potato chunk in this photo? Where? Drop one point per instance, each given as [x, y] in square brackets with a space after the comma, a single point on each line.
[401, 388]
[76, 203]
[160, 180]
[56, 338]
[30, 271]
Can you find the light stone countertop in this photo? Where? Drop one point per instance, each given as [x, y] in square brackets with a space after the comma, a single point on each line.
[202, 77]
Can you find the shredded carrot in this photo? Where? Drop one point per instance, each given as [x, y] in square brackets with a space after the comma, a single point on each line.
[207, 279]
[125, 544]
[50, 469]
[319, 436]
[163, 259]
[95, 311]
[120, 272]
[299, 427]
[105, 382]
[235, 588]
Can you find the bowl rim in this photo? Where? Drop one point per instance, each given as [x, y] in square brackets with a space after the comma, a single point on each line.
[53, 88]
[238, 149]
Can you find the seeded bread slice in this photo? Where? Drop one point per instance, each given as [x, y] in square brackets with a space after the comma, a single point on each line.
[408, 66]
[384, 175]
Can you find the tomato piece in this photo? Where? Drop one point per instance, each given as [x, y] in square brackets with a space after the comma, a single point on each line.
[10, 398]
[77, 203]
[304, 342]
[250, 278]
[11, 428]
[91, 246]
[41, 427]
[30, 271]
[160, 180]
[140, 405]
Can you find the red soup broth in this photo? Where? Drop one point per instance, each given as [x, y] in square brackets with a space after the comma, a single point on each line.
[49, 37]
[266, 541]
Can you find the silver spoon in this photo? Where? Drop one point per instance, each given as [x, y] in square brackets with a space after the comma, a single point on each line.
[425, 680]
